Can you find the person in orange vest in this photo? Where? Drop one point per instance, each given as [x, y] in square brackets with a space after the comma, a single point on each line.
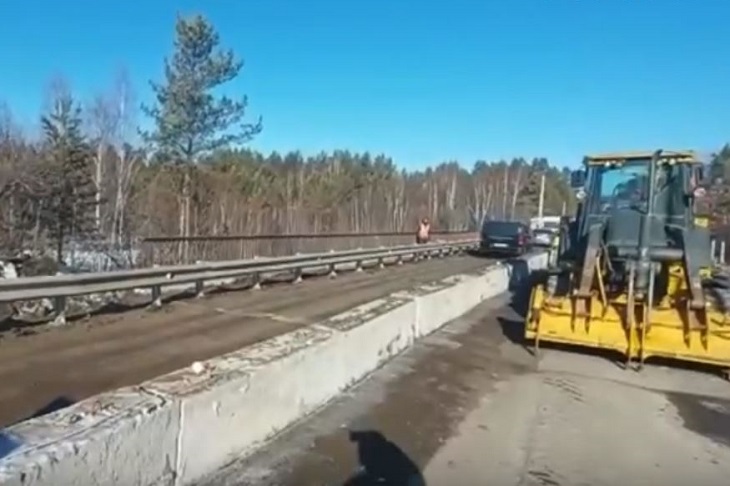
[424, 232]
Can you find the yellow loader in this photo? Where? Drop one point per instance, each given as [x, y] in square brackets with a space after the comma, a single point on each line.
[634, 273]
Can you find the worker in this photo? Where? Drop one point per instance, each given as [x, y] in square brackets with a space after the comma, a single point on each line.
[424, 232]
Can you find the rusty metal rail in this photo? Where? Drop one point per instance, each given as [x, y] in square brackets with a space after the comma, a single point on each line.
[60, 287]
[163, 250]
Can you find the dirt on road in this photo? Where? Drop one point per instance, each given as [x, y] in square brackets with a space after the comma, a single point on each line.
[57, 367]
[470, 405]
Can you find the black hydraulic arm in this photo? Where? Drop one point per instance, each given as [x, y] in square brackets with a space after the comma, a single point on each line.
[644, 267]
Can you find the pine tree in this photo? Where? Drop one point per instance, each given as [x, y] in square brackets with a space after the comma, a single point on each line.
[190, 122]
[68, 209]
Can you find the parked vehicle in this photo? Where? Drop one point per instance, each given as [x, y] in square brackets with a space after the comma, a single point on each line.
[544, 237]
[547, 222]
[505, 238]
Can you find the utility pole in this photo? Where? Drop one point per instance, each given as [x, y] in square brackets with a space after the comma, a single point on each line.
[541, 203]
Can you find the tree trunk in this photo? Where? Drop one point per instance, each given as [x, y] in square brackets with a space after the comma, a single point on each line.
[59, 244]
[515, 191]
[504, 191]
[98, 163]
[186, 213]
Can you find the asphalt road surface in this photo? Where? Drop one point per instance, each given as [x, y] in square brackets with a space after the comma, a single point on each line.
[470, 406]
[49, 368]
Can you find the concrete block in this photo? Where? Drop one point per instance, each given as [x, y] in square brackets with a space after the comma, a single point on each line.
[370, 336]
[176, 429]
[243, 398]
[458, 295]
[125, 437]
[438, 302]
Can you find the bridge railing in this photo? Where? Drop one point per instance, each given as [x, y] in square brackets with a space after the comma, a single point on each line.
[60, 287]
[172, 250]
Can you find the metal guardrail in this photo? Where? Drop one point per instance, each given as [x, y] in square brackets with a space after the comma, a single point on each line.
[60, 287]
[177, 250]
[289, 236]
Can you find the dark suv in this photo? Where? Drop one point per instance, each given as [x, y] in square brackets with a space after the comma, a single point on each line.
[504, 238]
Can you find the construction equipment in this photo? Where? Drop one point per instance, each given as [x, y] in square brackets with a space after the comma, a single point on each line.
[633, 272]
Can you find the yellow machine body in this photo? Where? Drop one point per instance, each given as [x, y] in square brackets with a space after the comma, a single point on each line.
[637, 327]
[674, 331]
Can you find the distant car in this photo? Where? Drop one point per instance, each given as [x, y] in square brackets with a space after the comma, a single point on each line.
[504, 238]
[544, 237]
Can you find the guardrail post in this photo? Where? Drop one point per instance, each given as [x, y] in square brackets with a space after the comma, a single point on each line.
[381, 263]
[156, 296]
[399, 260]
[358, 263]
[332, 272]
[256, 281]
[722, 252]
[199, 288]
[59, 309]
[713, 250]
[297, 271]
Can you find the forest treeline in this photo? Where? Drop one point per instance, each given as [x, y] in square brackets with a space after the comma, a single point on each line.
[241, 191]
[92, 175]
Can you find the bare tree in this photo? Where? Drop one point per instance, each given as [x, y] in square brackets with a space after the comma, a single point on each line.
[127, 158]
[102, 122]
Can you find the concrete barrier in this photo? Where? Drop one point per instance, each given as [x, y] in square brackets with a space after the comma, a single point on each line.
[126, 436]
[176, 429]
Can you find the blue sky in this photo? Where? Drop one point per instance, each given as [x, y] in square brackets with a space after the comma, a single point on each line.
[423, 81]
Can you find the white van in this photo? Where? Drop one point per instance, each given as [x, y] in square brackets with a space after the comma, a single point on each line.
[546, 222]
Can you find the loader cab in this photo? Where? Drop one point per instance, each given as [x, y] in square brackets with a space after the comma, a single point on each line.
[623, 183]
[616, 195]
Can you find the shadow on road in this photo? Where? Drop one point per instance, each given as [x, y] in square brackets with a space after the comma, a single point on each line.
[520, 283]
[7, 444]
[519, 274]
[383, 463]
[706, 416]
[54, 405]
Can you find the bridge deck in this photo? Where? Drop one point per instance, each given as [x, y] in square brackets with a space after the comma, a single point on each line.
[470, 406]
[58, 366]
